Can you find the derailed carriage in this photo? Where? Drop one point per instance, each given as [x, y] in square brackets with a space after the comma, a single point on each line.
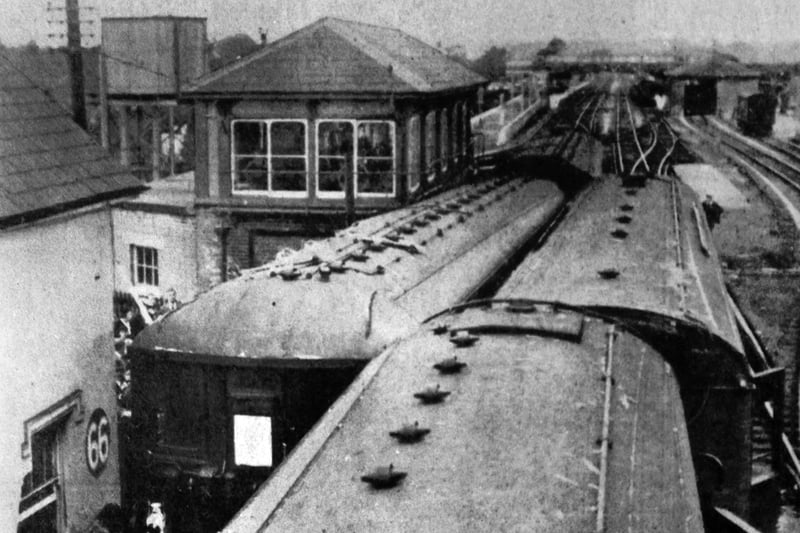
[607, 388]
[226, 386]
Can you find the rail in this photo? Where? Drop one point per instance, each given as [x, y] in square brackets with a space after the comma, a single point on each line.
[662, 169]
[642, 155]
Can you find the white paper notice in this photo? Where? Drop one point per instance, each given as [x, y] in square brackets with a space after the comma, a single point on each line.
[252, 440]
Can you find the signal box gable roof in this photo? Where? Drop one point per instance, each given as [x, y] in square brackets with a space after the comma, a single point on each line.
[340, 56]
[48, 163]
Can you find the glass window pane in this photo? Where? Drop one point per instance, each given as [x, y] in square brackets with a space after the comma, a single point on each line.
[375, 139]
[335, 138]
[251, 174]
[288, 138]
[375, 176]
[332, 173]
[288, 174]
[430, 139]
[444, 128]
[413, 152]
[249, 138]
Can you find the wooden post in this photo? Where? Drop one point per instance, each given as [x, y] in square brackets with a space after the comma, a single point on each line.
[155, 139]
[171, 111]
[124, 155]
[103, 82]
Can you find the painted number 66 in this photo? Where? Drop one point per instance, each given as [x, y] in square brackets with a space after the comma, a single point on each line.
[98, 442]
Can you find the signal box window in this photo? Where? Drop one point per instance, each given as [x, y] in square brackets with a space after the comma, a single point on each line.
[375, 168]
[430, 144]
[413, 153]
[38, 508]
[144, 265]
[334, 157]
[444, 131]
[270, 156]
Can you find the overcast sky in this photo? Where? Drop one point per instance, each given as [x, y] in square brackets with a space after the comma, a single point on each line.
[474, 23]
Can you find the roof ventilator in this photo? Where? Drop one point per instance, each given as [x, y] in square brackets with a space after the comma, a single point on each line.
[431, 395]
[609, 273]
[624, 219]
[463, 339]
[451, 365]
[289, 274]
[619, 234]
[626, 207]
[410, 433]
[384, 477]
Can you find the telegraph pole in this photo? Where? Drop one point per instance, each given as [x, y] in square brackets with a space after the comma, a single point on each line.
[75, 55]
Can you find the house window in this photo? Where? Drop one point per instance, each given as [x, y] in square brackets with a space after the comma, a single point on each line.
[39, 503]
[270, 156]
[362, 149]
[334, 157]
[413, 153]
[144, 265]
[375, 159]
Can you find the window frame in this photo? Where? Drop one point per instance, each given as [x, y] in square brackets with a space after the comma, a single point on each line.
[355, 123]
[429, 165]
[393, 134]
[152, 268]
[270, 192]
[53, 483]
[413, 145]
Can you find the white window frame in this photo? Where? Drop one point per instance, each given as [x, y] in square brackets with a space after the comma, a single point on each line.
[430, 151]
[338, 195]
[155, 268]
[268, 156]
[412, 139]
[329, 195]
[392, 131]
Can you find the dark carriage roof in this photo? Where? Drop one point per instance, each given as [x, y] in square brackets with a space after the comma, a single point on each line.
[658, 273]
[340, 56]
[47, 162]
[514, 447]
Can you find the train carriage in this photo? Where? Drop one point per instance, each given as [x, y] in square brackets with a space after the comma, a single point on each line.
[269, 352]
[644, 255]
[559, 421]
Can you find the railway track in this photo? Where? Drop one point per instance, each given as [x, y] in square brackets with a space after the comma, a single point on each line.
[642, 152]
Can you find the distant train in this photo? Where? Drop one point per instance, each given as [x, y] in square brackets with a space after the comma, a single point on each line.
[755, 114]
[605, 388]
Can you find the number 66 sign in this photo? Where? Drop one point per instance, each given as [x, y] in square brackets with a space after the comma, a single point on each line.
[98, 442]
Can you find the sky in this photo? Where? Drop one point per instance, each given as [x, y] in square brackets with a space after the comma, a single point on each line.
[476, 24]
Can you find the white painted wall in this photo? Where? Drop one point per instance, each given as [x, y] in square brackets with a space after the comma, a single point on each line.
[174, 238]
[55, 338]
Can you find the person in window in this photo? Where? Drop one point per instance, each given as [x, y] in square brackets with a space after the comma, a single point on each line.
[123, 330]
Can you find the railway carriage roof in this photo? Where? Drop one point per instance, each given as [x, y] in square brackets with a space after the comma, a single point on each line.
[512, 448]
[47, 162]
[656, 243]
[340, 56]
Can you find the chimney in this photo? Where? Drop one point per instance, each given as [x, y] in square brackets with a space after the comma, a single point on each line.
[75, 62]
[263, 33]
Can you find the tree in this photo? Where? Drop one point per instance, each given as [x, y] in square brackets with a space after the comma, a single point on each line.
[554, 47]
[492, 64]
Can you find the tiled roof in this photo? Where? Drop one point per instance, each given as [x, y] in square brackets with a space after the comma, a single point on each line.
[340, 56]
[47, 162]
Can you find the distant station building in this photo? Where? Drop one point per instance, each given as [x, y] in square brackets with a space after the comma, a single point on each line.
[335, 121]
[58, 448]
[711, 87]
